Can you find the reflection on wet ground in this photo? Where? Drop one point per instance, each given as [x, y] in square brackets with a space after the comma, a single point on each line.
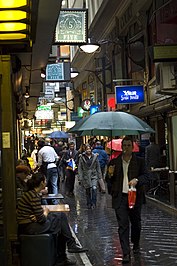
[97, 230]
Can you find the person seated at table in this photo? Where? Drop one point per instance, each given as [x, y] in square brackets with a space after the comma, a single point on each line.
[22, 174]
[33, 219]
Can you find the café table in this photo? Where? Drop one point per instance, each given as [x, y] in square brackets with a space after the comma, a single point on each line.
[57, 207]
[52, 196]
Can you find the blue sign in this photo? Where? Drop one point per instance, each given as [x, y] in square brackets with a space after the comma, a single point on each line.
[58, 72]
[94, 109]
[127, 94]
[55, 72]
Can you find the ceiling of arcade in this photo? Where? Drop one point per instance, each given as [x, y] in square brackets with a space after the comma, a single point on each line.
[48, 12]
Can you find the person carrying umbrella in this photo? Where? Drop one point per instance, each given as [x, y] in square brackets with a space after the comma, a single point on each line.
[128, 170]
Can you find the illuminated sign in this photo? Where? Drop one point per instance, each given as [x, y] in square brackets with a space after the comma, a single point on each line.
[128, 94]
[44, 107]
[111, 102]
[72, 26]
[80, 112]
[86, 104]
[42, 114]
[58, 72]
[94, 109]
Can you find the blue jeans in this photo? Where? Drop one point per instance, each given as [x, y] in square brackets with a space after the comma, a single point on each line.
[52, 182]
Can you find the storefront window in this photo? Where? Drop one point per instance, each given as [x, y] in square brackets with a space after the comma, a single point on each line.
[163, 23]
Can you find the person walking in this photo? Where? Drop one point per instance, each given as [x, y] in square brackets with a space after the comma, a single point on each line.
[152, 154]
[71, 160]
[89, 172]
[33, 219]
[152, 160]
[47, 159]
[128, 170]
[103, 160]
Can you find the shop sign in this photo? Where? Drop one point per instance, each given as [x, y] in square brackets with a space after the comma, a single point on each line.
[80, 112]
[94, 109]
[86, 104]
[58, 72]
[72, 26]
[42, 114]
[165, 53]
[44, 107]
[128, 94]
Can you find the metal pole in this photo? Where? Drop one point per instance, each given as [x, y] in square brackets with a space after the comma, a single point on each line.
[104, 82]
[172, 187]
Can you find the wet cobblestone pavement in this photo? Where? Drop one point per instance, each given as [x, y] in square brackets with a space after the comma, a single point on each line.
[97, 230]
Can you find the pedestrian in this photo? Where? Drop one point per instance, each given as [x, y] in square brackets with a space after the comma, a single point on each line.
[34, 156]
[81, 148]
[152, 159]
[47, 159]
[71, 161]
[128, 170]
[33, 219]
[152, 154]
[103, 159]
[89, 172]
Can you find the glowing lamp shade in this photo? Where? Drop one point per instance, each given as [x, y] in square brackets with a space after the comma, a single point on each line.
[12, 3]
[12, 36]
[12, 26]
[89, 48]
[14, 20]
[10, 15]
[74, 73]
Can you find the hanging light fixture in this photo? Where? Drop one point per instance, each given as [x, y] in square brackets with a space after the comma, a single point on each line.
[43, 73]
[15, 20]
[27, 95]
[89, 47]
[74, 73]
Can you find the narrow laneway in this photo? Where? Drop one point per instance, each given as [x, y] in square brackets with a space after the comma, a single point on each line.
[97, 229]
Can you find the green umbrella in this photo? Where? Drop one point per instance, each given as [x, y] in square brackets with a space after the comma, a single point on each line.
[113, 124]
[75, 128]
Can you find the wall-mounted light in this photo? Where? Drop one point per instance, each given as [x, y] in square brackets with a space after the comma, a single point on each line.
[27, 95]
[74, 73]
[15, 20]
[43, 73]
[89, 47]
[50, 103]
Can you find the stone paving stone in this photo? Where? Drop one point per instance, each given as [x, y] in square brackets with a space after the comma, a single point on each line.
[97, 230]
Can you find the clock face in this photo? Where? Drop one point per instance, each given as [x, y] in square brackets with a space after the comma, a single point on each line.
[86, 104]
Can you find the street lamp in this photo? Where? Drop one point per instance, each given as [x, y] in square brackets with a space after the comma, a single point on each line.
[89, 47]
[74, 73]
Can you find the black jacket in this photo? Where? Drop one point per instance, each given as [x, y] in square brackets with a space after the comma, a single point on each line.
[137, 170]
